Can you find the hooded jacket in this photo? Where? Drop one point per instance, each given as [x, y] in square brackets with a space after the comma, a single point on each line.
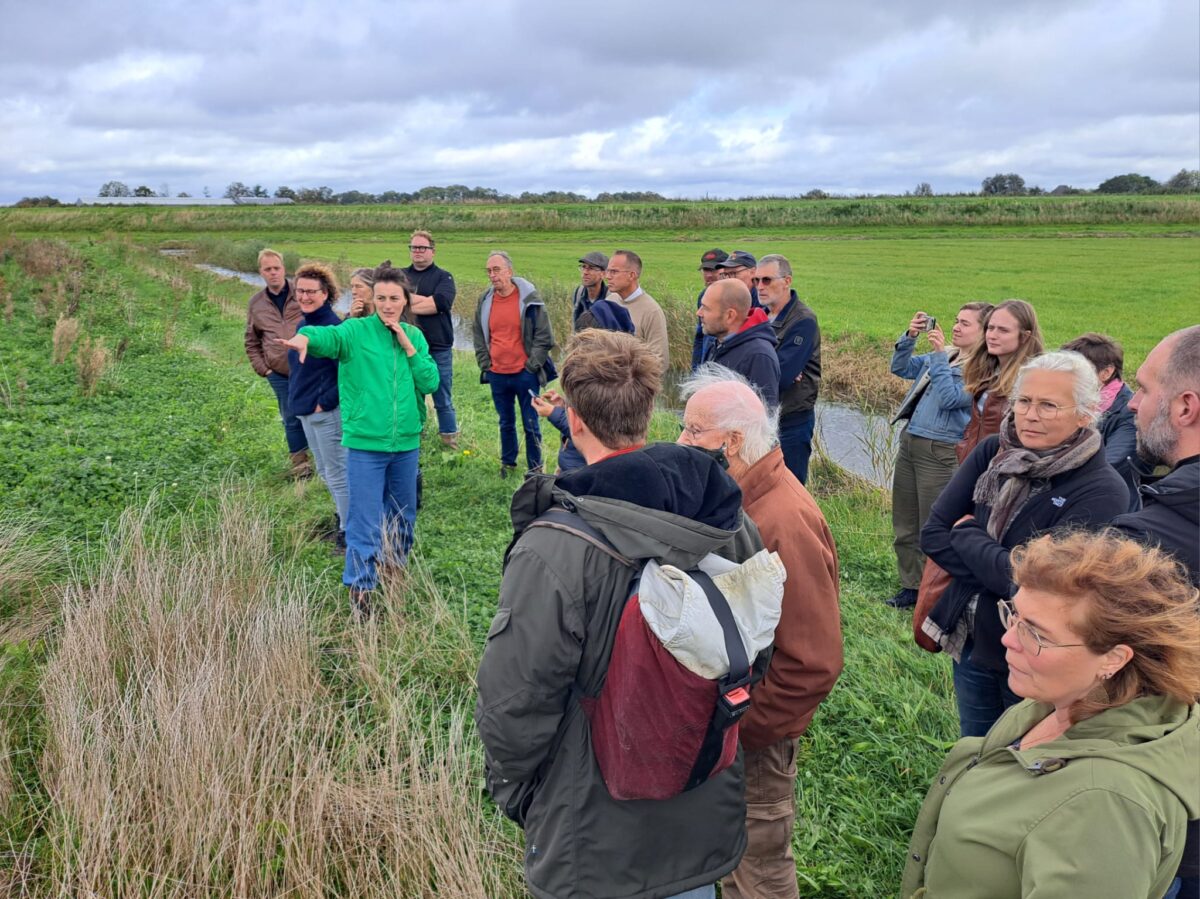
[1119, 430]
[751, 353]
[1099, 812]
[1170, 516]
[536, 335]
[380, 385]
[560, 601]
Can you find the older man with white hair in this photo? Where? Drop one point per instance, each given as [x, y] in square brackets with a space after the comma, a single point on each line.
[725, 415]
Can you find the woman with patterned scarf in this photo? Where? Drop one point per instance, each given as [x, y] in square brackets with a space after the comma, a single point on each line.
[1044, 470]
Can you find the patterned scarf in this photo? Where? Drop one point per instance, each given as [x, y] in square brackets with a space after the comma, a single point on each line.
[1015, 471]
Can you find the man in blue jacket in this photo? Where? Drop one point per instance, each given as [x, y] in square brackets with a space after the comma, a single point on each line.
[745, 340]
[799, 352]
[702, 343]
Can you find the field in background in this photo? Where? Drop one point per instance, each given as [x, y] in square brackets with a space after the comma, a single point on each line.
[159, 577]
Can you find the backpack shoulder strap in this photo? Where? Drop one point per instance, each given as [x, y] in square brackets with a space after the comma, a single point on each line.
[563, 519]
[739, 665]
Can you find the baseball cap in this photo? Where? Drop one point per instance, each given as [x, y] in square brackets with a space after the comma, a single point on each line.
[713, 258]
[738, 259]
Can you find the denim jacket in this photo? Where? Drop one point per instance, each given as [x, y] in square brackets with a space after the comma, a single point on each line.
[945, 408]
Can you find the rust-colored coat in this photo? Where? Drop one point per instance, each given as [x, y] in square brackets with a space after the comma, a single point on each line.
[982, 424]
[264, 324]
[808, 639]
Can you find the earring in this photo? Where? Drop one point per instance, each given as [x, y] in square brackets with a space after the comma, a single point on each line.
[1107, 675]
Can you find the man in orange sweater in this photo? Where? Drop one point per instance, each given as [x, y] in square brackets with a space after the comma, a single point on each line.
[725, 415]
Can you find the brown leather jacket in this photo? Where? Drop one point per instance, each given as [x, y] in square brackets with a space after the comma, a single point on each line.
[808, 639]
[264, 324]
[982, 424]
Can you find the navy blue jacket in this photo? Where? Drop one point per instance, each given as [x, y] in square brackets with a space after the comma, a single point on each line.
[799, 352]
[569, 458]
[315, 383]
[1170, 516]
[751, 353]
[1090, 496]
[1119, 431]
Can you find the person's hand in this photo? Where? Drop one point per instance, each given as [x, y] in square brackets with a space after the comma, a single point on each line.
[965, 518]
[298, 343]
[360, 308]
[917, 325]
[541, 406]
[554, 398]
[402, 338]
[937, 340]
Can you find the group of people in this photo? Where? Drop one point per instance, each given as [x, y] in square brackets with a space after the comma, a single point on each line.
[1075, 645]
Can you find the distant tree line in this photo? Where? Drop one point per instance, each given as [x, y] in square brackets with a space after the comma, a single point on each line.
[1185, 181]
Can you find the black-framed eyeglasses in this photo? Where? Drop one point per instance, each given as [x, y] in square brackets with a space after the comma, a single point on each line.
[309, 292]
[1031, 639]
[417, 249]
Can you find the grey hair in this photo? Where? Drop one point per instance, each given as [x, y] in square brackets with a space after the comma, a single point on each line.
[503, 255]
[1087, 383]
[759, 430]
[785, 267]
[366, 275]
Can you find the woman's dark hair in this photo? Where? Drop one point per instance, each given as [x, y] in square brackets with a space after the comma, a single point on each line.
[1100, 350]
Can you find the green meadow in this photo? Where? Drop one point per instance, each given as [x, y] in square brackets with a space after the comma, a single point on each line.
[186, 707]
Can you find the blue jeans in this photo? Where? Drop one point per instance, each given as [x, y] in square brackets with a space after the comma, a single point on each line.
[982, 695]
[708, 892]
[506, 388]
[291, 425]
[383, 513]
[324, 433]
[795, 439]
[442, 401]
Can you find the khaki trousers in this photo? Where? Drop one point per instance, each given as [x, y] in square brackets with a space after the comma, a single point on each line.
[768, 869]
[923, 468]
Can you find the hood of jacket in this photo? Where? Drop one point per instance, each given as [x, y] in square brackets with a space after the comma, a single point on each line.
[756, 327]
[1180, 489]
[526, 292]
[1155, 736]
[665, 501]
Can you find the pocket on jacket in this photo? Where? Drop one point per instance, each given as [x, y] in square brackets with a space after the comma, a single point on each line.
[499, 622]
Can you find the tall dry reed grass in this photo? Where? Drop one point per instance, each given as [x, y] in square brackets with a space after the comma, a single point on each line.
[214, 729]
[92, 361]
[66, 330]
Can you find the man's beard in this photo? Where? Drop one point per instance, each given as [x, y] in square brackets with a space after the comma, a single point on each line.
[1156, 443]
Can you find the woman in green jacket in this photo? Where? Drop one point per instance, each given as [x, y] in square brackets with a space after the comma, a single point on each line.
[384, 369]
[1085, 788]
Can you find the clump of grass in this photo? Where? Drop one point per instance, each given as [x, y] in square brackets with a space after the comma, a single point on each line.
[91, 363]
[854, 369]
[213, 730]
[66, 331]
[239, 255]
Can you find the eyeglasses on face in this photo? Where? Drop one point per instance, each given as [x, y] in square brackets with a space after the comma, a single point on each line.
[1031, 639]
[1046, 410]
[584, 267]
[418, 248]
[309, 292]
[765, 280]
[693, 431]
[496, 269]
[617, 271]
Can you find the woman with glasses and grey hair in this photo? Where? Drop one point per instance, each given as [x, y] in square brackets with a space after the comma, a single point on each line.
[1044, 470]
[1086, 787]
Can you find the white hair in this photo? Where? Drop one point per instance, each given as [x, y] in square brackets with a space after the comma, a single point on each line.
[758, 424]
[1086, 389]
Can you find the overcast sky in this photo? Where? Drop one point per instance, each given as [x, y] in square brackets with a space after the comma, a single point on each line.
[690, 99]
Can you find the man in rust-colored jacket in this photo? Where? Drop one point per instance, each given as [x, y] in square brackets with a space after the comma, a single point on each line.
[274, 312]
[724, 413]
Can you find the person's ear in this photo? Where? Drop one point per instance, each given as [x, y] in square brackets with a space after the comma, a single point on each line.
[1115, 659]
[1189, 408]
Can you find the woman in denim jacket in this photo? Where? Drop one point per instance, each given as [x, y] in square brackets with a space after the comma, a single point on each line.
[937, 409]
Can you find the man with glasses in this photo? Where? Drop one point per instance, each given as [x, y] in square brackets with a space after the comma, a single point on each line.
[798, 349]
[701, 342]
[744, 340]
[623, 274]
[740, 265]
[591, 287]
[433, 293]
[273, 315]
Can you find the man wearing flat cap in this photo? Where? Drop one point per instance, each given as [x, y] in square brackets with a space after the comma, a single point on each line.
[591, 287]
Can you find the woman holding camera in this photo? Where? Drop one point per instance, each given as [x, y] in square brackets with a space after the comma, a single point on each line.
[936, 410]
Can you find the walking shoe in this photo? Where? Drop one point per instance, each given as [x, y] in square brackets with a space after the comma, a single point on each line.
[301, 466]
[506, 470]
[339, 544]
[450, 440]
[360, 604]
[905, 599]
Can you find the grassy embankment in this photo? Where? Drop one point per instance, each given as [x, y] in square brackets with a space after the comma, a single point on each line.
[1087, 263]
[187, 708]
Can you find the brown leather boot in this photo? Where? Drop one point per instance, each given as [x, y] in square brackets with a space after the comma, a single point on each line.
[302, 466]
[450, 441]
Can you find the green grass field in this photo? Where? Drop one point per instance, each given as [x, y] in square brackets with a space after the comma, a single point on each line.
[151, 552]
